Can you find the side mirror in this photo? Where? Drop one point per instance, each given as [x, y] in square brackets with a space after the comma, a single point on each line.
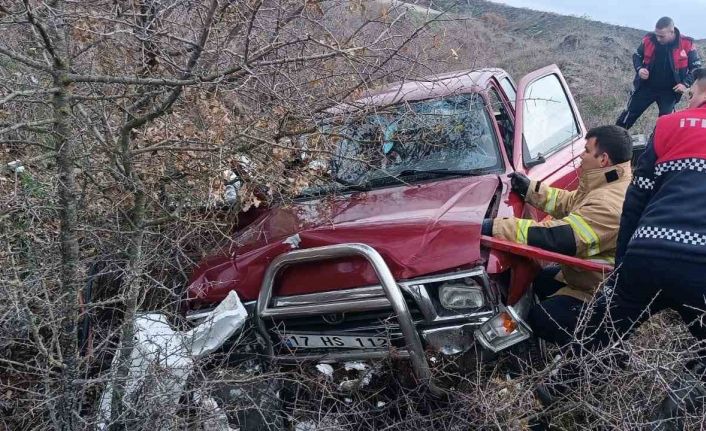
[536, 161]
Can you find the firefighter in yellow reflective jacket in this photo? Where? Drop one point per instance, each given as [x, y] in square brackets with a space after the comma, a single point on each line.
[584, 224]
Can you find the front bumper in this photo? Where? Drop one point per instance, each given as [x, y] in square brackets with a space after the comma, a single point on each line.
[407, 312]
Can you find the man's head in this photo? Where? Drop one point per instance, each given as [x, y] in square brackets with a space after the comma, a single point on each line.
[606, 146]
[697, 92]
[664, 30]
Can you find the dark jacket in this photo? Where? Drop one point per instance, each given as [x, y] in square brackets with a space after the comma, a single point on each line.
[684, 58]
[664, 214]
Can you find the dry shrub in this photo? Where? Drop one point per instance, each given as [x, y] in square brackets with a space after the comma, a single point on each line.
[495, 20]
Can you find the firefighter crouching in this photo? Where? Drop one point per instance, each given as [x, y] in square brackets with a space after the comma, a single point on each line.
[585, 224]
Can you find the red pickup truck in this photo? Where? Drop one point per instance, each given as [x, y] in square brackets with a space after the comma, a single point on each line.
[388, 256]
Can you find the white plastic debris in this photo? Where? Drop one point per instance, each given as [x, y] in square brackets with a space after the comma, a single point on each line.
[365, 381]
[229, 176]
[16, 166]
[162, 360]
[225, 319]
[360, 366]
[293, 241]
[306, 426]
[246, 164]
[364, 376]
[252, 367]
[317, 165]
[325, 369]
[232, 185]
[380, 404]
[347, 385]
[230, 194]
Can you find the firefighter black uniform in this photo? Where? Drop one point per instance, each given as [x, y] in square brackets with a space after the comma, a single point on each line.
[661, 249]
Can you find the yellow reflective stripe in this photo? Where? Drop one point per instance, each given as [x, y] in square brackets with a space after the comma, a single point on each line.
[610, 260]
[587, 235]
[552, 194]
[522, 228]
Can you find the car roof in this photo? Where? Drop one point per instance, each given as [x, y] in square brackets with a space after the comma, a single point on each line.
[462, 81]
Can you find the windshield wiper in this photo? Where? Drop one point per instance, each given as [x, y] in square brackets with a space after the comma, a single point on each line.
[441, 172]
[366, 186]
[359, 187]
[347, 185]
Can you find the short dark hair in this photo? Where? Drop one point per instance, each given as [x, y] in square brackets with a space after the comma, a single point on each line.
[614, 141]
[664, 22]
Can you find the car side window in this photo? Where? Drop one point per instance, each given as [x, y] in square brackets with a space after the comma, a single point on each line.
[509, 89]
[503, 118]
[548, 119]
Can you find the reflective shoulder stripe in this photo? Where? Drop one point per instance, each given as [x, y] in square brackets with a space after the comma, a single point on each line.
[523, 226]
[643, 183]
[603, 259]
[585, 232]
[552, 194]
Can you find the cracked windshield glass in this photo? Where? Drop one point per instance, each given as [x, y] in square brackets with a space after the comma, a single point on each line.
[410, 140]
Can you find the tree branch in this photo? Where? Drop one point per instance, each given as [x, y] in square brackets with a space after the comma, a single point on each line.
[106, 79]
[25, 142]
[28, 125]
[171, 148]
[198, 50]
[251, 23]
[44, 36]
[26, 60]
[72, 77]
[15, 94]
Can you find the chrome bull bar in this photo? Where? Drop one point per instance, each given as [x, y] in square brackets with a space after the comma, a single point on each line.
[413, 343]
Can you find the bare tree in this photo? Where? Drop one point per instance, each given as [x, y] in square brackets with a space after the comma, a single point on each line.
[116, 119]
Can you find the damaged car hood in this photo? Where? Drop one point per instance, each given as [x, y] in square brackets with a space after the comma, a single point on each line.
[418, 229]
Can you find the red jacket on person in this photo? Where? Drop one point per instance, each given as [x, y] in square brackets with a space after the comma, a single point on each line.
[684, 59]
[664, 214]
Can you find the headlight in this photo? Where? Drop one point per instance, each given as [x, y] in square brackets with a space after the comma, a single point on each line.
[461, 294]
[503, 330]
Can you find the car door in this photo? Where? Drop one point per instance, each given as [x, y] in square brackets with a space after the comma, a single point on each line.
[549, 131]
[500, 107]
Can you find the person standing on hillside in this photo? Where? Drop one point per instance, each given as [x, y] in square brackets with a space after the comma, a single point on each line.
[664, 64]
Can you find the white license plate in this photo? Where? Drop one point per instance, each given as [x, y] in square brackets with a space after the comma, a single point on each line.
[320, 341]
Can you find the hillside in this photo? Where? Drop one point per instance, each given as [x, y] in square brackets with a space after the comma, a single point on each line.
[595, 57]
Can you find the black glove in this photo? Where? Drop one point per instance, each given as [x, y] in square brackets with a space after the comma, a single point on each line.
[519, 183]
[487, 228]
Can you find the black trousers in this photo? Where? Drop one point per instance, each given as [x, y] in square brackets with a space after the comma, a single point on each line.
[553, 319]
[644, 287]
[641, 99]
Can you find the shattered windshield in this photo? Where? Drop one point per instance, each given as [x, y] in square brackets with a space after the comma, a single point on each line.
[449, 134]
